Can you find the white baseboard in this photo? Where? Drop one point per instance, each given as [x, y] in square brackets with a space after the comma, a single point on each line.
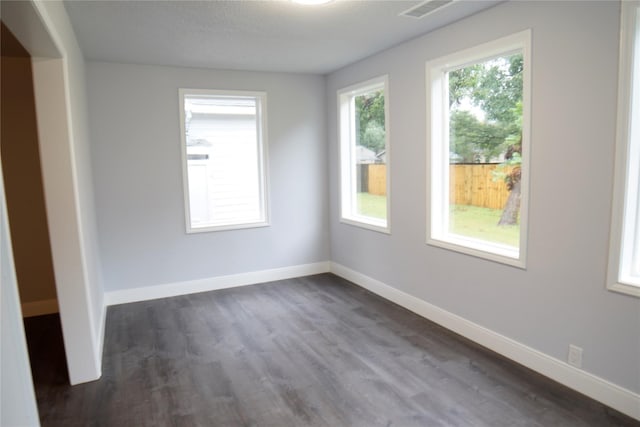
[211, 284]
[595, 387]
[39, 308]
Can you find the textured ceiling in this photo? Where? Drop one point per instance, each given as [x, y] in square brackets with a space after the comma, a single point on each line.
[250, 35]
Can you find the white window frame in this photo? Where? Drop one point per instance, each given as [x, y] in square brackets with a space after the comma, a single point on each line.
[438, 149]
[347, 136]
[625, 220]
[261, 120]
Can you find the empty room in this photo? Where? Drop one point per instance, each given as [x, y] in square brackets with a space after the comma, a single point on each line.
[320, 213]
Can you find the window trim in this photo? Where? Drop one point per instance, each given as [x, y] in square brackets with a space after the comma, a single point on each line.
[262, 142]
[625, 212]
[438, 155]
[346, 135]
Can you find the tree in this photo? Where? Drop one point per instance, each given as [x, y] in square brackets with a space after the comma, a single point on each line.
[373, 136]
[462, 83]
[370, 125]
[473, 141]
[499, 89]
[512, 177]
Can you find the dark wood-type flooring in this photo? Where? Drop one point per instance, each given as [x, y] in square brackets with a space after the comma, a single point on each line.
[313, 351]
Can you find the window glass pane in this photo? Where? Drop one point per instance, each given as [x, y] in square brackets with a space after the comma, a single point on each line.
[630, 248]
[364, 154]
[485, 150]
[370, 155]
[624, 253]
[633, 188]
[223, 156]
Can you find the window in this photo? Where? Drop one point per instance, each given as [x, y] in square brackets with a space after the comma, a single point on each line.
[223, 152]
[364, 154]
[624, 252]
[478, 133]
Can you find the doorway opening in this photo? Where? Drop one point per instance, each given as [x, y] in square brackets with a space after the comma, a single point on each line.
[24, 192]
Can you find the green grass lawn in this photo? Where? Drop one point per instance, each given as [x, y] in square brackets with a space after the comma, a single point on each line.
[469, 221]
[482, 223]
[372, 205]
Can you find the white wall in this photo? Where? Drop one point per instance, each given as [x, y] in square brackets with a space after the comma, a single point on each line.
[561, 297]
[82, 164]
[135, 138]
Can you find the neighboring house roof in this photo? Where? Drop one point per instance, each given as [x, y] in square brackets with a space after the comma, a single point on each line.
[364, 155]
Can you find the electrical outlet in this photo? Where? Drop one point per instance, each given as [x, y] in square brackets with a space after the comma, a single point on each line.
[575, 356]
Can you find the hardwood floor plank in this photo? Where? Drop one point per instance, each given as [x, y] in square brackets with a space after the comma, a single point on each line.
[313, 351]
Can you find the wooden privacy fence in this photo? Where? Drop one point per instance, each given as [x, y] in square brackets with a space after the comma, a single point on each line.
[474, 185]
[372, 178]
[470, 184]
[378, 179]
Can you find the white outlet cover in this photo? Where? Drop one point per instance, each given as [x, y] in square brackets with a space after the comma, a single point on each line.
[575, 356]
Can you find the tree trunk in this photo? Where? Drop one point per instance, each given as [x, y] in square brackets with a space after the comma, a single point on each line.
[512, 208]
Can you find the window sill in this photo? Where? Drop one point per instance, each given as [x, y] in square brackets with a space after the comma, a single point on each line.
[226, 227]
[502, 254]
[368, 224]
[624, 288]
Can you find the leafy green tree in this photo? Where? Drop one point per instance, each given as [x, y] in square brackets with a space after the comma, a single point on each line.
[373, 136]
[370, 123]
[499, 89]
[495, 87]
[462, 83]
[473, 141]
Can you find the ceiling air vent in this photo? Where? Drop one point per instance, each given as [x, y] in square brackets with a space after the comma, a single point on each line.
[425, 8]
